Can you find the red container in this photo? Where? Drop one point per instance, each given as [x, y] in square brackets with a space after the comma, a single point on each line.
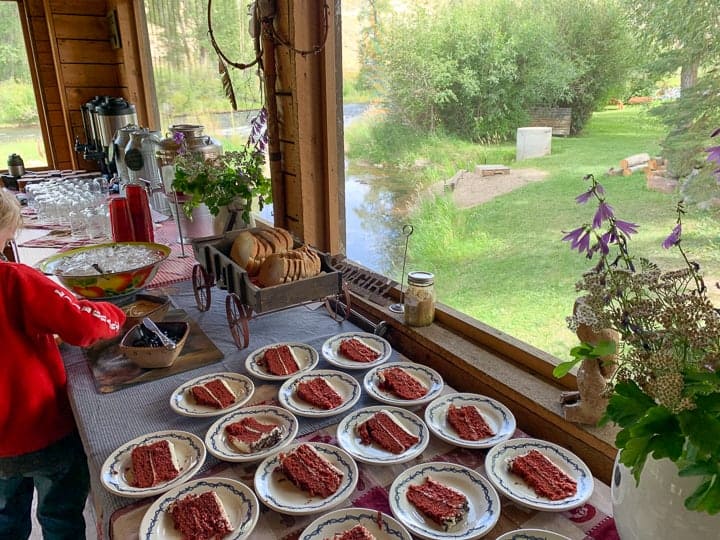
[140, 213]
[120, 222]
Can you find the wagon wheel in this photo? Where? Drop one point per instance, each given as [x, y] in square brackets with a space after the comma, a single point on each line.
[342, 301]
[202, 283]
[238, 315]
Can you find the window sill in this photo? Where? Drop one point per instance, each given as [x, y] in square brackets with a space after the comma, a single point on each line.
[473, 357]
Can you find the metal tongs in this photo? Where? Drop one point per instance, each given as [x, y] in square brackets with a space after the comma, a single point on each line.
[148, 323]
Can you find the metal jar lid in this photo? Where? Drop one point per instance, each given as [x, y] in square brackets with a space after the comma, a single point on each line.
[421, 278]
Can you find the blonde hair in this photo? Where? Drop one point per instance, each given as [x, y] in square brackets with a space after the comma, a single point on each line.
[10, 216]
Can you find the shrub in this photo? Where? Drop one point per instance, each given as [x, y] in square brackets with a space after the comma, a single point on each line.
[19, 107]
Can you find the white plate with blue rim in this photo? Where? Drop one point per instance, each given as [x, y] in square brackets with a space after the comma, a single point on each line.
[531, 534]
[218, 445]
[306, 357]
[182, 402]
[349, 440]
[381, 526]
[496, 415]
[428, 377]
[483, 501]
[345, 385]
[116, 472]
[513, 487]
[277, 492]
[238, 500]
[331, 350]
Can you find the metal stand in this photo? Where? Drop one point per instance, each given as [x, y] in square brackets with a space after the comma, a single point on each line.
[182, 255]
[407, 231]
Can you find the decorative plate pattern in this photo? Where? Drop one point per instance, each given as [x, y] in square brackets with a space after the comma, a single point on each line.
[181, 401]
[483, 501]
[239, 502]
[497, 416]
[278, 493]
[531, 534]
[332, 355]
[307, 358]
[381, 526]
[190, 452]
[219, 446]
[342, 383]
[510, 485]
[430, 378]
[374, 453]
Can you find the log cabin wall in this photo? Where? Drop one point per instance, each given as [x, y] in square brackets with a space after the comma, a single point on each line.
[72, 60]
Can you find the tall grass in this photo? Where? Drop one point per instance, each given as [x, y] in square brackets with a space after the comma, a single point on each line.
[503, 261]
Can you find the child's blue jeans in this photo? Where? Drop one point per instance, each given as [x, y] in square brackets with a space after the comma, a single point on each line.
[60, 475]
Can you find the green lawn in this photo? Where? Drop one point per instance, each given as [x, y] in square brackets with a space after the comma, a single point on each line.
[503, 262]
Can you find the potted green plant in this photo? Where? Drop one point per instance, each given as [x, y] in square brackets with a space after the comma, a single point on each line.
[231, 180]
[664, 390]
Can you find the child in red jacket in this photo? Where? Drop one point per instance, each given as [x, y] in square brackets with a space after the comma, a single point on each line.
[39, 445]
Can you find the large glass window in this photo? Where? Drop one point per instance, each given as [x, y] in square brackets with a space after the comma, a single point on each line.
[188, 81]
[434, 95]
[20, 131]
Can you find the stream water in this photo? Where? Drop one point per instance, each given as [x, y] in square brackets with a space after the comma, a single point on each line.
[374, 203]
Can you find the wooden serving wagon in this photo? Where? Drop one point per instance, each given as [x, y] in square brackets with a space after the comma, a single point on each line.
[215, 267]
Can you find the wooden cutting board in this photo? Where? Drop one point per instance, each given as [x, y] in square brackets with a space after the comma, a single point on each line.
[113, 371]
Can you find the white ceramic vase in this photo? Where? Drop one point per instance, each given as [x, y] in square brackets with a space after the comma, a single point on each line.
[655, 509]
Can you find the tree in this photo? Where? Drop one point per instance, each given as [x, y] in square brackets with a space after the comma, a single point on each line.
[681, 34]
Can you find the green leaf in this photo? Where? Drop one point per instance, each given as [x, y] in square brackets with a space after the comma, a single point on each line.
[701, 428]
[564, 368]
[627, 404]
[700, 468]
[706, 498]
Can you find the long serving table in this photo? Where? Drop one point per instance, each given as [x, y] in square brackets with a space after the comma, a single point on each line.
[107, 421]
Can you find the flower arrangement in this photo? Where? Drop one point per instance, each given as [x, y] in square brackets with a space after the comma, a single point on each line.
[232, 176]
[664, 390]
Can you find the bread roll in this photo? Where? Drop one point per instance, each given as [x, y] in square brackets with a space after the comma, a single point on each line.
[289, 266]
[250, 248]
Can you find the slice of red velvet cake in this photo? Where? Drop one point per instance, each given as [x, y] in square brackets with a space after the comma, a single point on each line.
[543, 476]
[319, 393]
[401, 383]
[154, 463]
[200, 517]
[444, 505]
[248, 435]
[468, 423]
[310, 471]
[215, 393]
[384, 429]
[279, 360]
[358, 532]
[356, 350]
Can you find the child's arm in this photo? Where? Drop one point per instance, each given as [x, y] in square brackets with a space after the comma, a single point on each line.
[49, 308]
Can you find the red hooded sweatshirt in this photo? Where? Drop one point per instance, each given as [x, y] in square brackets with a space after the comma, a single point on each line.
[34, 407]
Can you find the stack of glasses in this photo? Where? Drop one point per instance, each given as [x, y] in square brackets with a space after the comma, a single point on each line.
[78, 203]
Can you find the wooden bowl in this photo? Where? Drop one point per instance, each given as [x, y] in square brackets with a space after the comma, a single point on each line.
[155, 357]
[146, 305]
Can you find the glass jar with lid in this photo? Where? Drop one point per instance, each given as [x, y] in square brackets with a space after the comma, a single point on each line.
[419, 301]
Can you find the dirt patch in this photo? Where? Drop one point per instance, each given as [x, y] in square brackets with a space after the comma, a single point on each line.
[471, 189]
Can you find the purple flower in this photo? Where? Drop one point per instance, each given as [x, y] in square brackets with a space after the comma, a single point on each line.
[604, 212]
[599, 189]
[674, 237]
[626, 227]
[713, 154]
[584, 197]
[573, 236]
[178, 137]
[583, 244]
